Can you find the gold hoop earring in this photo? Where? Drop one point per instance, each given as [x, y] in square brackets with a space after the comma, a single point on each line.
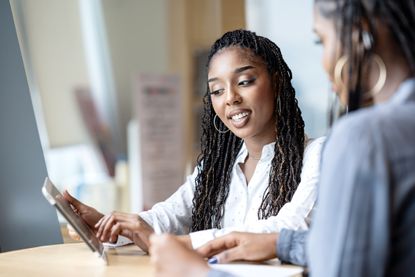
[379, 83]
[217, 129]
[382, 76]
[338, 68]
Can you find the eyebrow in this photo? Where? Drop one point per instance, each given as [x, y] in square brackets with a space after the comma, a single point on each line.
[242, 69]
[238, 70]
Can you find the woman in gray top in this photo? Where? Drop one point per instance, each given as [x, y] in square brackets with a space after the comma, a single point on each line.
[366, 211]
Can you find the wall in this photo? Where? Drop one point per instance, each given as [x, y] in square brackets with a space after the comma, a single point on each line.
[194, 25]
[53, 45]
[138, 42]
[289, 25]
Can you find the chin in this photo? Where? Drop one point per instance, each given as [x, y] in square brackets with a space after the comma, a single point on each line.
[243, 134]
[240, 134]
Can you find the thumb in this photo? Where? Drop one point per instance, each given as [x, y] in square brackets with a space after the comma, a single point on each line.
[227, 256]
[71, 199]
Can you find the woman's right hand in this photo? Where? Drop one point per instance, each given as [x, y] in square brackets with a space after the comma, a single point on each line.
[90, 215]
[128, 225]
[172, 258]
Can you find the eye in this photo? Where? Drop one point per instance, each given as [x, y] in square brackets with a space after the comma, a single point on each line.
[245, 83]
[318, 40]
[217, 91]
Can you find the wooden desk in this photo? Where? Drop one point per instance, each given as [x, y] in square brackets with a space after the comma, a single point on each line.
[75, 259]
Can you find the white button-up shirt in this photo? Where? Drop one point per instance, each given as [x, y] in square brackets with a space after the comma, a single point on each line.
[241, 207]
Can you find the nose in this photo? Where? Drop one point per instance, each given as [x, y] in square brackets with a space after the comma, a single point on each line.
[233, 97]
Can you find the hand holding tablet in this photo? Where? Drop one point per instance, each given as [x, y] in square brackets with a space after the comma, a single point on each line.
[56, 199]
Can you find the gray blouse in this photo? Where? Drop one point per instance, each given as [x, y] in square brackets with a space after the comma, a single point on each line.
[365, 221]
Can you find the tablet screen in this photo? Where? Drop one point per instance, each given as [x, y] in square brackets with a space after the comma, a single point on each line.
[55, 198]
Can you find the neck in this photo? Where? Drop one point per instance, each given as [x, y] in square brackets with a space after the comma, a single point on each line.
[254, 146]
[397, 66]
[397, 72]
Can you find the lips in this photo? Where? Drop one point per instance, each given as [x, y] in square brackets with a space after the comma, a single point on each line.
[239, 118]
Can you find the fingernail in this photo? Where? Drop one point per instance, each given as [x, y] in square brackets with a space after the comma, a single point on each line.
[213, 260]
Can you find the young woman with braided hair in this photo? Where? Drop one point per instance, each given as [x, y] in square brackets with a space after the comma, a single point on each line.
[256, 171]
[366, 210]
[283, 116]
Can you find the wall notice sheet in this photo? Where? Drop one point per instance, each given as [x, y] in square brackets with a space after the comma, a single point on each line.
[159, 112]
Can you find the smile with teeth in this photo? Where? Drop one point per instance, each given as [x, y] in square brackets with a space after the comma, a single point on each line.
[239, 116]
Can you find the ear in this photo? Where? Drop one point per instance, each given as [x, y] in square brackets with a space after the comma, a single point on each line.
[361, 35]
[367, 37]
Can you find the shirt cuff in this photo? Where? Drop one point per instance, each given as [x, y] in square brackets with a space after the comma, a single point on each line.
[201, 237]
[146, 216]
[291, 246]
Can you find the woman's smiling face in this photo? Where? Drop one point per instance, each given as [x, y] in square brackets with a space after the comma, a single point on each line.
[242, 93]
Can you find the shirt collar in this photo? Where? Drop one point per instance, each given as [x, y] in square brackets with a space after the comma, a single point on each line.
[266, 155]
[405, 92]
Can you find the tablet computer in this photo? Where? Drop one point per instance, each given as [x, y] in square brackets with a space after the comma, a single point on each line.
[55, 198]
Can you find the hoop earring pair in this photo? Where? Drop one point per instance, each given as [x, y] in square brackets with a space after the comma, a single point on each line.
[379, 83]
[217, 129]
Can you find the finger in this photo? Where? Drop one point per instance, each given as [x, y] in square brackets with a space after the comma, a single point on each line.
[122, 228]
[72, 199]
[139, 236]
[115, 232]
[101, 226]
[124, 216]
[153, 256]
[157, 260]
[102, 221]
[129, 222]
[98, 225]
[107, 224]
[120, 217]
[210, 249]
[152, 249]
[159, 239]
[106, 227]
[217, 245]
[160, 242]
[227, 256]
[99, 222]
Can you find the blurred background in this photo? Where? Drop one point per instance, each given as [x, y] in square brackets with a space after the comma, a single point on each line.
[116, 86]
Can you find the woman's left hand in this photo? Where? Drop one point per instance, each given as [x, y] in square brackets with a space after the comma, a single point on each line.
[241, 246]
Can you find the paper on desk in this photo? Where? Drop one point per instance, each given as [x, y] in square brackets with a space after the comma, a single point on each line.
[249, 270]
[120, 242]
